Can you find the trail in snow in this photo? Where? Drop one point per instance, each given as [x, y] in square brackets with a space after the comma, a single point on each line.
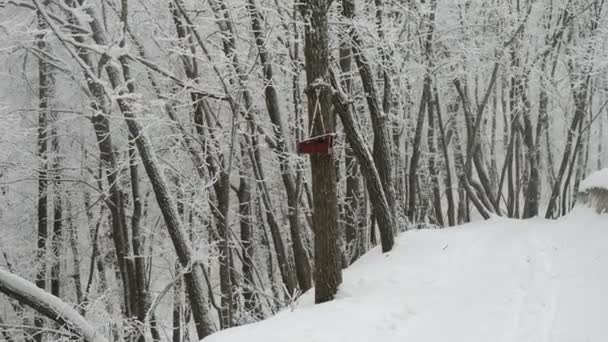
[498, 280]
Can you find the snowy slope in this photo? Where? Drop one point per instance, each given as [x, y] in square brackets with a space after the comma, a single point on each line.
[499, 280]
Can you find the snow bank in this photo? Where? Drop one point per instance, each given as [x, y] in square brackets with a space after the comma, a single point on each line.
[498, 280]
[597, 179]
[593, 191]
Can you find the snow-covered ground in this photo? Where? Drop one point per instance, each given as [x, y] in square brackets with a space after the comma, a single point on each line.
[498, 280]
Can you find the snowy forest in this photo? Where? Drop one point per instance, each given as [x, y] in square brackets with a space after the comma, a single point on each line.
[172, 168]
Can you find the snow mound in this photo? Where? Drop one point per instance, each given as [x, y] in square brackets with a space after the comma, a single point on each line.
[499, 280]
[597, 179]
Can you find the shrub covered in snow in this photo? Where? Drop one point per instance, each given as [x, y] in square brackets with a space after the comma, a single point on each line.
[593, 191]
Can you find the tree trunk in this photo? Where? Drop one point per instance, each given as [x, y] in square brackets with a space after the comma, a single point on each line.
[379, 201]
[57, 236]
[328, 270]
[434, 172]
[303, 268]
[532, 192]
[76, 260]
[448, 168]
[566, 194]
[384, 55]
[177, 316]
[413, 171]
[142, 297]
[251, 298]
[46, 89]
[287, 275]
[380, 120]
[580, 94]
[353, 187]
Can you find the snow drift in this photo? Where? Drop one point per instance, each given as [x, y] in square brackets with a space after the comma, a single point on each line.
[498, 280]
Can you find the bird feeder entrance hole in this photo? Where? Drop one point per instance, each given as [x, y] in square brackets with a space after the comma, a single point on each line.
[322, 144]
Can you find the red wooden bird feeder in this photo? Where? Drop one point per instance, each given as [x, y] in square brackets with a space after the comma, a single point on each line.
[322, 144]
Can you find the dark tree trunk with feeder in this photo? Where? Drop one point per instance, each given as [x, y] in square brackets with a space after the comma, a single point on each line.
[328, 272]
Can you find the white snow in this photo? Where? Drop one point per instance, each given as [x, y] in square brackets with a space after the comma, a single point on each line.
[499, 280]
[597, 179]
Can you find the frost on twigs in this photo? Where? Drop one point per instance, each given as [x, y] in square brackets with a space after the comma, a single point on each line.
[47, 304]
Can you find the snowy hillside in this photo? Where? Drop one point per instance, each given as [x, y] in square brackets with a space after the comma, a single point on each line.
[499, 280]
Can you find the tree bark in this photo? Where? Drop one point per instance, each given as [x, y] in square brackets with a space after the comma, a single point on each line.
[379, 201]
[532, 191]
[287, 275]
[580, 94]
[46, 89]
[303, 268]
[434, 172]
[380, 120]
[142, 296]
[413, 167]
[251, 298]
[76, 260]
[328, 270]
[353, 204]
[446, 156]
[57, 236]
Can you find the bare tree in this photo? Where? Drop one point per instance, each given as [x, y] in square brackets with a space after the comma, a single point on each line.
[328, 270]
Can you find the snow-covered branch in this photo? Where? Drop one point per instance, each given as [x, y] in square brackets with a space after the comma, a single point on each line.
[54, 308]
